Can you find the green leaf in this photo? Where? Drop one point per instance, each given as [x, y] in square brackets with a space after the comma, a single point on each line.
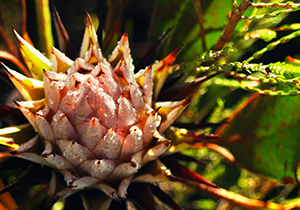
[183, 17]
[264, 136]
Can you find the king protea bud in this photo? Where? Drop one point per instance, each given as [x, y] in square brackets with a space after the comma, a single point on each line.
[99, 121]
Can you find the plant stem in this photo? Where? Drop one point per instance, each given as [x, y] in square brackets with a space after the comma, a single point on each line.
[233, 21]
[200, 20]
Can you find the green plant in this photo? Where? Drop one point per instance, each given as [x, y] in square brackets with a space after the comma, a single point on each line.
[246, 111]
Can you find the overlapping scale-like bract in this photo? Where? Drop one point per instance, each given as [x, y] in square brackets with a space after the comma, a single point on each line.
[98, 121]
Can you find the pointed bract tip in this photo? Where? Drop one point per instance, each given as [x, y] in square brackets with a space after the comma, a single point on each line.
[165, 34]
[180, 47]
[186, 101]
[124, 39]
[115, 196]
[156, 110]
[55, 14]
[92, 45]
[17, 103]
[125, 35]
[13, 152]
[88, 19]
[172, 56]
[6, 69]
[45, 73]
[17, 35]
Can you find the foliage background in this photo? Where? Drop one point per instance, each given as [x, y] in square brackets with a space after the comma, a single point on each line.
[144, 22]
